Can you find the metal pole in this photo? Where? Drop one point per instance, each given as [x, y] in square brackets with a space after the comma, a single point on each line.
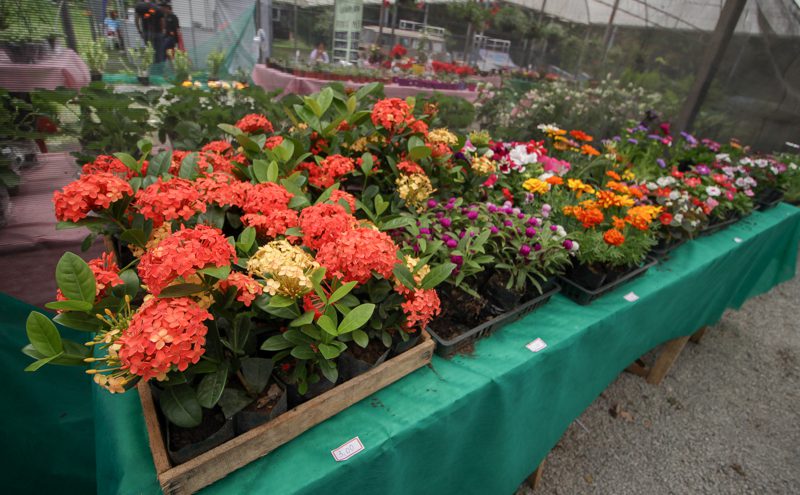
[194, 41]
[294, 27]
[709, 64]
[609, 27]
[66, 22]
[257, 22]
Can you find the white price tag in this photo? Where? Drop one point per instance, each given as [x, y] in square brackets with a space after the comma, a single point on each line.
[737, 239]
[348, 449]
[631, 297]
[537, 345]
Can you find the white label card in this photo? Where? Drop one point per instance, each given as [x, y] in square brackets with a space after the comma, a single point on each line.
[631, 297]
[537, 345]
[737, 239]
[348, 449]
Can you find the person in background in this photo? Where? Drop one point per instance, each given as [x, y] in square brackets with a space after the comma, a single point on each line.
[150, 24]
[172, 30]
[111, 24]
[319, 55]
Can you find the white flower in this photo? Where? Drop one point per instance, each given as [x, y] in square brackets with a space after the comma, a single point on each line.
[548, 128]
[723, 157]
[575, 247]
[678, 218]
[713, 191]
[793, 166]
[520, 156]
[652, 186]
[560, 232]
[674, 195]
[665, 181]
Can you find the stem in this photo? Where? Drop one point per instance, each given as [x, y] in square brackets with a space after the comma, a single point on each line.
[244, 383]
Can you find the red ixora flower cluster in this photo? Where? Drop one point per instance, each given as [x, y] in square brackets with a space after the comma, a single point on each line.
[420, 308]
[273, 142]
[393, 114]
[266, 208]
[110, 164]
[337, 196]
[163, 333]
[222, 189]
[254, 123]
[355, 254]
[247, 288]
[324, 223]
[169, 200]
[182, 254]
[329, 170]
[409, 167]
[91, 192]
[223, 148]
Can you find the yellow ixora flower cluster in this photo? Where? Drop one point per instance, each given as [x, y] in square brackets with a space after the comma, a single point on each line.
[359, 145]
[414, 189]
[483, 165]
[412, 263]
[157, 235]
[106, 370]
[442, 136]
[286, 269]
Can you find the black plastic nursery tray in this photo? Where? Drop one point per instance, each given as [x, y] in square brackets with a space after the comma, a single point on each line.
[584, 296]
[661, 252]
[716, 227]
[448, 347]
[769, 201]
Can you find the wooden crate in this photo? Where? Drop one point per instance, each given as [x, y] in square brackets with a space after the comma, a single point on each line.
[215, 464]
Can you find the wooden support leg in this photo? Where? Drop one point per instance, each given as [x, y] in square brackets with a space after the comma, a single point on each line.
[536, 477]
[698, 335]
[669, 354]
[638, 368]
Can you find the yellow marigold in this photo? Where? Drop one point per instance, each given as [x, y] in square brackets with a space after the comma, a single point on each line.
[617, 186]
[287, 269]
[483, 165]
[628, 175]
[588, 203]
[569, 210]
[187, 84]
[442, 135]
[607, 199]
[414, 189]
[640, 217]
[579, 187]
[536, 186]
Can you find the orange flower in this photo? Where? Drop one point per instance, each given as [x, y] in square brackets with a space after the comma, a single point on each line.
[579, 187]
[587, 149]
[607, 199]
[613, 175]
[589, 217]
[613, 237]
[640, 217]
[589, 203]
[247, 288]
[253, 123]
[560, 146]
[581, 136]
[554, 180]
[619, 223]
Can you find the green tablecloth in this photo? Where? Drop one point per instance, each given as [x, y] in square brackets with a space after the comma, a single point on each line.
[481, 423]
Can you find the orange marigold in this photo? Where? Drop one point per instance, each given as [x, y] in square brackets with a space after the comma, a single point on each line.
[163, 333]
[641, 217]
[356, 254]
[169, 200]
[587, 149]
[247, 288]
[554, 180]
[607, 199]
[613, 237]
[393, 114]
[254, 123]
[324, 223]
[91, 192]
[581, 136]
[589, 217]
[579, 187]
[613, 175]
[619, 223]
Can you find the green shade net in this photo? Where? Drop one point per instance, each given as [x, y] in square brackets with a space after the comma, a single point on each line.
[481, 423]
[48, 420]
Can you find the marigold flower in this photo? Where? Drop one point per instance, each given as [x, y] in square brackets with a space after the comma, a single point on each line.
[536, 186]
[619, 223]
[613, 175]
[420, 307]
[554, 180]
[338, 195]
[607, 199]
[163, 333]
[183, 253]
[356, 254]
[393, 114]
[442, 135]
[613, 237]
[91, 192]
[589, 217]
[483, 165]
[617, 186]
[414, 189]
[323, 223]
[640, 217]
[247, 288]
[265, 197]
[272, 224]
[169, 200]
[587, 149]
[254, 123]
[581, 136]
[579, 187]
[628, 175]
[286, 269]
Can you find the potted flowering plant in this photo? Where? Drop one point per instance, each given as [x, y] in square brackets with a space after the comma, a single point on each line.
[680, 218]
[142, 58]
[96, 58]
[769, 174]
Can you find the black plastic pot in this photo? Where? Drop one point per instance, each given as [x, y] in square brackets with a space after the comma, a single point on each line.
[247, 420]
[662, 249]
[502, 297]
[96, 76]
[144, 80]
[583, 295]
[720, 224]
[449, 347]
[23, 53]
[586, 276]
[225, 433]
[351, 367]
[314, 389]
[768, 198]
[400, 346]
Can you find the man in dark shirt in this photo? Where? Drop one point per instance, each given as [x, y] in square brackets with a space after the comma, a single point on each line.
[172, 29]
[150, 24]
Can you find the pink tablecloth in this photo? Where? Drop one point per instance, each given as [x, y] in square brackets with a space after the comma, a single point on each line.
[30, 245]
[65, 68]
[272, 79]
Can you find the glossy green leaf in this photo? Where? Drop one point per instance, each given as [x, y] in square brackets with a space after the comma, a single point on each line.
[361, 338]
[276, 343]
[404, 276]
[246, 239]
[341, 292]
[69, 305]
[180, 290]
[356, 318]
[211, 386]
[327, 324]
[218, 272]
[234, 400]
[128, 161]
[260, 170]
[437, 275]
[180, 405]
[75, 278]
[79, 321]
[41, 362]
[189, 169]
[256, 372]
[304, 319]
[328, 351]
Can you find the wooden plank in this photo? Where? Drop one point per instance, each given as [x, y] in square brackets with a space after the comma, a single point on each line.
[156, 439]
[698, 335]
[215, 464]
[536, 477]
[638, 368]
[666, 358]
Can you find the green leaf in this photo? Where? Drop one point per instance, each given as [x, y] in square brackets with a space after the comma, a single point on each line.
[136, 237]
[361, 338]
[356, 318]
[73, 355]
[279, 301]
[366, 163]
[131, 282]
[380, 205]
[69, 305]
[75, 278]
[404, 276]
[324, 98]
[327, 324]
[396, 223]
[260, 170]
[276, 343]
[240, 332]
[303, 352]
[437, 275]
[272, 172]
[367, 89]
[341, 292]
[230, 129]
[305, 319]
[180, 406]
[351, 105]
[234, 400]
[145, 146]
[285, 150]
[180, 290]
[419, 152]
[218, 272]
[248, 143]
[246, 239]
[159, 164]
[211, 387]
[328, 351]
[256, 372]
[79, 321]
[41, 362]
[189, 169]
[128, 161]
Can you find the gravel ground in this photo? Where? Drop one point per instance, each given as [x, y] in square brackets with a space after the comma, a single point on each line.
[725, 420]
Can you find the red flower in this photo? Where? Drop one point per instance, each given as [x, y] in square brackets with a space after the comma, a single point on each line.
[223, 148]
[409, 167]
[222, 189]
[169, 200]
[208, 162]
[106, 273]
[91, 192]
[337, 196]
[163, 333]
[343, 126]
[265, 197]
[491, 181]
[356, 254]
[439, 150]
[507, 194]
[420, 308]
[110, 164]
[273, 142]
[247, 288]
[419, 127]
[613, 237]
[324, 223]
[665, 218]
[312, 302]
[393, 114]
[254, 123]
[580, 136]
[328, 171]
[398, 51]
[272, 224]
[182, 254]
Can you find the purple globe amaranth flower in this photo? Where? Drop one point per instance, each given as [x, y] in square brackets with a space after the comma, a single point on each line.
[525, 250]
[451, 243]
[546, 209]
[508, 223]
[537, 247]
[492, 208]
[534, 222]
[494, 229]
[432, 203]
[520, 215]
[508, 210]
[439, 214]
[446, 222]
[661, 163]
[415, 247]
[449, 206]
[472, 214]
[567, 244]
[530, 232]
[462, 234]
[458, 260]
[424, 230]
[553, 228]
[446, 237]
[516, 211]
